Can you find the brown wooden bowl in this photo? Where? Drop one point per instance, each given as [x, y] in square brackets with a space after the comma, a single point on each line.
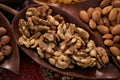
[110, 71]
[10, 62]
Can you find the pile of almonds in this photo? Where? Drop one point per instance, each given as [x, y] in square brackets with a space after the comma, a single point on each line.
[106, 19]
[5, 48]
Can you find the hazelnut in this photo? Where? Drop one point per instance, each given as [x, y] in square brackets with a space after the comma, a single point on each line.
[1, 56]
[2, 31]
[6, 50]
[5, 40]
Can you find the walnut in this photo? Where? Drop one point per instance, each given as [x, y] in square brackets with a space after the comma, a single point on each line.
[5, 40]
[102, 57]
[6, 50]
[32, 11]
[2, 31]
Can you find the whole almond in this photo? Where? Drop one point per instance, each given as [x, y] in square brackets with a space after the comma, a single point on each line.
[116, 3]
[106, 21]
[103, 29]
[96, 15]
[104, 3]
[118, 18]
[113, 14]
[92, 24]
[107, 36]
[115, 51]
[84, 16]
[116, 39]
[90, 11]
[116, 29]
[106, 10]
[108, 42]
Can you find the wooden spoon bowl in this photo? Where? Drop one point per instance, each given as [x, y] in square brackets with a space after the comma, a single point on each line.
[10, 62]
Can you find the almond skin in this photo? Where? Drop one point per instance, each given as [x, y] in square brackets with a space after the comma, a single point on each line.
[107, 36]
[92, 24]
[113, 14]
[116, 39]
[106, 10]
[84, 16]
[118, 18]
[108, 42]
[116, 3]
[96, 15]
[90, 11]
[103, 29]
[104, 3]
[115, 51]
[116, 29]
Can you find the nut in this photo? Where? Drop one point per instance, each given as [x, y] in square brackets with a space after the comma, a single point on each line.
[106, 10]
[104, 3]
[107, 36]
[92, 24]
[84, 16]
[115, 51]
[90, 11]
[116, 3]
[113, 14]
[108, 42]
[116, 39]
[96, 15]
[6, 50]
[116, 30]
[103, 29]
[5, 40]
[2, 31]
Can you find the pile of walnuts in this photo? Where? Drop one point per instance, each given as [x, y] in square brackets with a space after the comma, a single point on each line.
[5, 48]
[63, 44]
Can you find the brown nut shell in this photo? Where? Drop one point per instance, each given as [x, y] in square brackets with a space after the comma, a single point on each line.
[6, 50]
[2, 31]
[5, 40]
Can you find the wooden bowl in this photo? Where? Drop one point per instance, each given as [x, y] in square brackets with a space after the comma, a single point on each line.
[10, 62]
[71, 15]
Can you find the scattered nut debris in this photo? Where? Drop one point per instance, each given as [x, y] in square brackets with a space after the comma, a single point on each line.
[63, 44]
[106, 19]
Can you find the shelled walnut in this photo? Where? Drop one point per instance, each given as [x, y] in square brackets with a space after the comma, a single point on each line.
[5, 48]
[105, 18]
[63, 44]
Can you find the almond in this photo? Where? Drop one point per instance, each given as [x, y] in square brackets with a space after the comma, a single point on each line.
[113, 14]
[108, 42]
[115, 51]
[104, 3]
[103, 29]
[116, 29]
[116, 39]
[90, 11]
[84, 16]
[116, 3]
[96, 15]
[106, 10]
[98, 8]
[118, 18]
[92, 24]
[107, 36]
